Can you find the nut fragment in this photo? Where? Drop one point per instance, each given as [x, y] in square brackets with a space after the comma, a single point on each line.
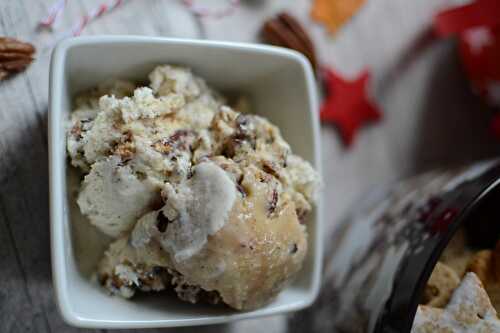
[125, 148]
[181, 139]
[284, 30]
[273, 202]
[162, 222]
[15, 56]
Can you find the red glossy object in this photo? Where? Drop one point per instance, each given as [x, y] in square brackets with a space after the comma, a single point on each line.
[480, 54]
[459, 19]
[347, 104]
[477, 26]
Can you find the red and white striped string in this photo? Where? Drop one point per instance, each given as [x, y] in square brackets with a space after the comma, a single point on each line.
[57, 9]
[53, 14]
[95, 14]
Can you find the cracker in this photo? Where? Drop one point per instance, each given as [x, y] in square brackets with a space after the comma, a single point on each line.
[457, 255]
[469, 310]
[482, 265]
[440, 286]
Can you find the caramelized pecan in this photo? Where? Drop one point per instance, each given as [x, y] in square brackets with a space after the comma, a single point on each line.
[15, 56]
[162, 222]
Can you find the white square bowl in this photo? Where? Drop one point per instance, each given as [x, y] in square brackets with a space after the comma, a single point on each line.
[280, 85]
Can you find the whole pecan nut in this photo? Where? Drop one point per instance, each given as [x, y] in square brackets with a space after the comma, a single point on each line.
[284, 30]
[15, 56]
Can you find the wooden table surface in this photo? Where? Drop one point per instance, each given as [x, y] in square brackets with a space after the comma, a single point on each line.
[430, 119]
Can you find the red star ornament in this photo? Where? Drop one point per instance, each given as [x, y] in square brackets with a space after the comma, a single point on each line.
[347, 105]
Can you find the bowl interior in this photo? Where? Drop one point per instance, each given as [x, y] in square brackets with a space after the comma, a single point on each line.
[277, 86]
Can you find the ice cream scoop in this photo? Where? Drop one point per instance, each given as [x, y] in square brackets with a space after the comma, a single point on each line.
[199, 197]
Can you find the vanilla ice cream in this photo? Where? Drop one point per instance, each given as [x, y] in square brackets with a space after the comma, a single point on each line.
[199, 197]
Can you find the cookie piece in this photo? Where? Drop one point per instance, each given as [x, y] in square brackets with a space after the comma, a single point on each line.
[486, 265]
[482, 265]
[496, 261]
[440, 286]
[457, 255]
[469, 310]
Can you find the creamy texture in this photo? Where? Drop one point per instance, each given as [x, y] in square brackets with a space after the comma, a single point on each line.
[253, 257]
[198, 197]
[201, 206]
[248, 261]
[113, 197]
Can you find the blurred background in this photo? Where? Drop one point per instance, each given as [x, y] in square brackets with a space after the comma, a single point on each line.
[430, 114]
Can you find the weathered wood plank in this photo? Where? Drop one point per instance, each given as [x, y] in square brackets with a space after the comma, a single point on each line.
[28, 299]
[16, 305]
[26, 295]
